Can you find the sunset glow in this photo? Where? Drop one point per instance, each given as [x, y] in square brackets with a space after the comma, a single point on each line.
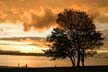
[9, 30]
[36, 18]
[25, 47]
[54, 35]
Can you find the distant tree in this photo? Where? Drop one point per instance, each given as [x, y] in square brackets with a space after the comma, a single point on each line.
[79, 31]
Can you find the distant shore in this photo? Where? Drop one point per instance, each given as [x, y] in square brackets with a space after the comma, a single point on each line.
[20, 53]
[55, 69]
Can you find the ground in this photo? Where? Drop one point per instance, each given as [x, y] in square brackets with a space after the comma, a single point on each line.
[56, 69]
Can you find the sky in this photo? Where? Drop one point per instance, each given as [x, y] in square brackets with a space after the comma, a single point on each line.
[36, 18]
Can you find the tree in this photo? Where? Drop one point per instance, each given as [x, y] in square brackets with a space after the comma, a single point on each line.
[61, 46]
[79, 29]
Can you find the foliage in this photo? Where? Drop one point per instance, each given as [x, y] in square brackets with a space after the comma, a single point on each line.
[77, 35]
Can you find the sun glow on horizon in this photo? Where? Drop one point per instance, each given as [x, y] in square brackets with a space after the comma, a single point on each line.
[25, 47]
[10, 30]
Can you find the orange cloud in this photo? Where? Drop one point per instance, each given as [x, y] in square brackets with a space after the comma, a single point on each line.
[29, 11]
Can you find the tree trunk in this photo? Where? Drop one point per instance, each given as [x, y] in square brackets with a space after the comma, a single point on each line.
[78, 59]
[72, 61]
[83, 57]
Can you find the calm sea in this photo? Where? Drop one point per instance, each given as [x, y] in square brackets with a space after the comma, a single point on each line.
[41, 61]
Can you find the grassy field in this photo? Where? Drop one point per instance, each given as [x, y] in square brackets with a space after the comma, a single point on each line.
[56, 69]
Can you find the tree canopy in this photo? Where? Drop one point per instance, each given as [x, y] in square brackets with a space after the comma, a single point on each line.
[76, 36]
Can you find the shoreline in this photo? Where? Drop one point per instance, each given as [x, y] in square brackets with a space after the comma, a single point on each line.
[55, 69]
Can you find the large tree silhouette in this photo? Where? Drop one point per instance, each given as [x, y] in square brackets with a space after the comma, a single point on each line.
[77, 38]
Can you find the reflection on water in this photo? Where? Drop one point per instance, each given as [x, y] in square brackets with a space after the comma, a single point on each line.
[31, 61]
[41, 61]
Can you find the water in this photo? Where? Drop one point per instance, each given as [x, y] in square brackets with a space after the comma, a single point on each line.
[31, 61]
[41, 61]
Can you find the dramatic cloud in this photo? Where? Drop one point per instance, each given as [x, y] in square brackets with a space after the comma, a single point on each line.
[39, 14]
[41, 22]
[19, 10]
[30, 16]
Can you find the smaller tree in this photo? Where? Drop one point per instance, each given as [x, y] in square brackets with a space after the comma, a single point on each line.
[61, 46]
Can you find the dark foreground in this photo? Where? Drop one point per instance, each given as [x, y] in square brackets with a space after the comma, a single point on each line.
[56, 69]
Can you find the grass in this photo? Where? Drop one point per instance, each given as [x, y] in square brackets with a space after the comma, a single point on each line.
[56, 69]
